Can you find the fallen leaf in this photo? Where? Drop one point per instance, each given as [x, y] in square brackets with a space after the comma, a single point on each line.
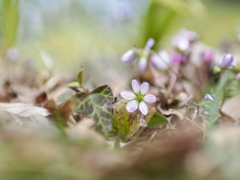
[23, 110]
[22, 114]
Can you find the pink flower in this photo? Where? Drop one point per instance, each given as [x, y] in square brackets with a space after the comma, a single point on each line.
[208, 56]
[139, 97]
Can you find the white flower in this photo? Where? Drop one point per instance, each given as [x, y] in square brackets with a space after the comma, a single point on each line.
[139, 97]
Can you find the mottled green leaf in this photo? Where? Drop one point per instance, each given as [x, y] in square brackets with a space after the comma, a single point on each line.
[125, 123]
[156, 119]
[98, 106]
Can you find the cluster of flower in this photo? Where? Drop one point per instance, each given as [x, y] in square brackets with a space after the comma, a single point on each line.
[182, 44]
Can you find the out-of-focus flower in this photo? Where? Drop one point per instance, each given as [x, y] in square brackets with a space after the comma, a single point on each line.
[142, 65]
[12, 54]
[180, 43]
[142, 55]
[129, 56]
[179, 58]
[227, 61]
[183, 39]
[209, 96]
[161, 60]
[139, 97]
[208, 56]
[191, 36]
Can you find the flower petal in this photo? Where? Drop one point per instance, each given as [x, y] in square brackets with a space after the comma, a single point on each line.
[143, 108]
[149, 98]
[158, 62]
[135, 86]
[149, 44]
[129, 56]
[127, 95]
[142, 65]
[132, 106]
[144, 88]
[227, 61]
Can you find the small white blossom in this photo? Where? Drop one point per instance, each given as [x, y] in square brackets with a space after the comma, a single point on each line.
[139, 97]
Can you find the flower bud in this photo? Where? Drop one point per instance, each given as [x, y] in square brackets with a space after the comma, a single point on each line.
[142, 65]
[208, 56]
[227, 61]
[150, 43]
[129, 56]
[178, 58]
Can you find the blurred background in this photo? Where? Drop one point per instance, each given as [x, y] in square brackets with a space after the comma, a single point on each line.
[65, 34]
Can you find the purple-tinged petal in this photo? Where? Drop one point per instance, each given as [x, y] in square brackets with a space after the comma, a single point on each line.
[158, 62]
[142, 65]
[178, 58]
[209, 96]
[144, 88]
[227, 61]
[132, 106]
[208, 56]
[129, 56]
[165, 56]
[149, 44]
[128, 95]
[143, 108]
[135, 86]
[149, 98]
[190, 35]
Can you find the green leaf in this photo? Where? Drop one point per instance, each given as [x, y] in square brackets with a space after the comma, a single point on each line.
[73, 84]
[156, 119]
[9, 21]
[212, 107]
[98, 106]
[125, 123]
[80, 77]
